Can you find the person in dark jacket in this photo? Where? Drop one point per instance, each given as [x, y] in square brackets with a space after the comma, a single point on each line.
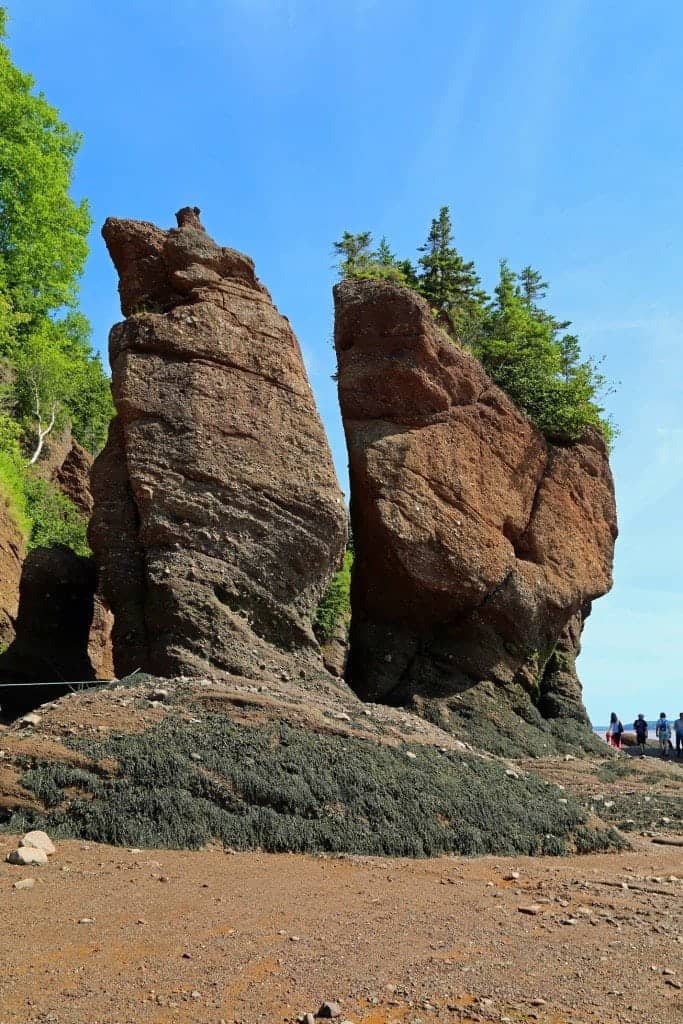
[641, 730]
[678, 731]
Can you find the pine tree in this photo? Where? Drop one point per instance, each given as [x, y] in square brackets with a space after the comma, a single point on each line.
[532, 285]
[450, 285]
[541, 371]
[353, 252]
[358, 260]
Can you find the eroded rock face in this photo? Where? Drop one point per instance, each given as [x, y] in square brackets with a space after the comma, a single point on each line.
[54, 619]
[560, 686]
[218, 518]
[72, 477]
[54, 625]
[477, 542]
[68, 466]
[11, 556]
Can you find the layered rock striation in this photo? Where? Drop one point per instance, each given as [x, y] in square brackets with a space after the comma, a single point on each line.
[478, 544]
[218, 519]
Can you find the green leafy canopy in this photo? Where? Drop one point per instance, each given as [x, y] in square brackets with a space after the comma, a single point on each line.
[50, 378]
[523, 348]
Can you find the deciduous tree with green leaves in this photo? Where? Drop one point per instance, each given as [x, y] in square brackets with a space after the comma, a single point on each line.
[49, 375]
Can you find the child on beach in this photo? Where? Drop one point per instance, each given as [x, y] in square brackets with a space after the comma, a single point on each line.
[641, 731]
[663, 733]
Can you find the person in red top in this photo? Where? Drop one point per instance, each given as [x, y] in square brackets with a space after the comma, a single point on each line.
[615, 730]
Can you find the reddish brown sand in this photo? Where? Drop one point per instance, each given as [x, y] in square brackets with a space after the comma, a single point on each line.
[113, 936]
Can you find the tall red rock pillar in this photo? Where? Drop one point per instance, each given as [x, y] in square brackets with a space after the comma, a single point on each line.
[476, 541]
[218, 518]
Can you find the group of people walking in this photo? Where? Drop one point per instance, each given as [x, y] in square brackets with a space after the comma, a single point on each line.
[664, 731]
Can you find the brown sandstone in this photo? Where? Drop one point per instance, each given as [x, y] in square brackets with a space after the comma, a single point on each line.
[55, 625]
[477, 542]
[56, 601]
[73, 477]
[11, 555]
[218, 518]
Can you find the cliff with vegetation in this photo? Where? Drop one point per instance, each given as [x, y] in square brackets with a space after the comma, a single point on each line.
[483, 527]
[477, 541]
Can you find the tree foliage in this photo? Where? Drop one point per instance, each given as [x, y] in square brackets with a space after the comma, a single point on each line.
[450, 284]
[335, 606]
[356, 259]
[53, 517]
[49, 375]
[541, 369]
[522, 346]
[43, 231]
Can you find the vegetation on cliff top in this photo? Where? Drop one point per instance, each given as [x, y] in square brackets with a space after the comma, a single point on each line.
[49, 376]
[522, 346]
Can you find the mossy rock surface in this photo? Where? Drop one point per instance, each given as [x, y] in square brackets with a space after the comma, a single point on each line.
[505, 722]
[278, 788]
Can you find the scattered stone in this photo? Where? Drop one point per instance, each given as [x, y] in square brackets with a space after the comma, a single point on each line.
[411, 755]
[31, 719]
[329, 1011]
[27, 855]
[512, 876]
[24, 883]
[39, 841]
[158, 695]
[532, 909]
[511, 774]
[538, 1002]
[86, 920]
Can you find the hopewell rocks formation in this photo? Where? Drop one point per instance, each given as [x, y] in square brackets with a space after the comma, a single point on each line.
[478, 545]
[218, 519]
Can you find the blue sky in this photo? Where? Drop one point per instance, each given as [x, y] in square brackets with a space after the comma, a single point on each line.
[551, 130]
